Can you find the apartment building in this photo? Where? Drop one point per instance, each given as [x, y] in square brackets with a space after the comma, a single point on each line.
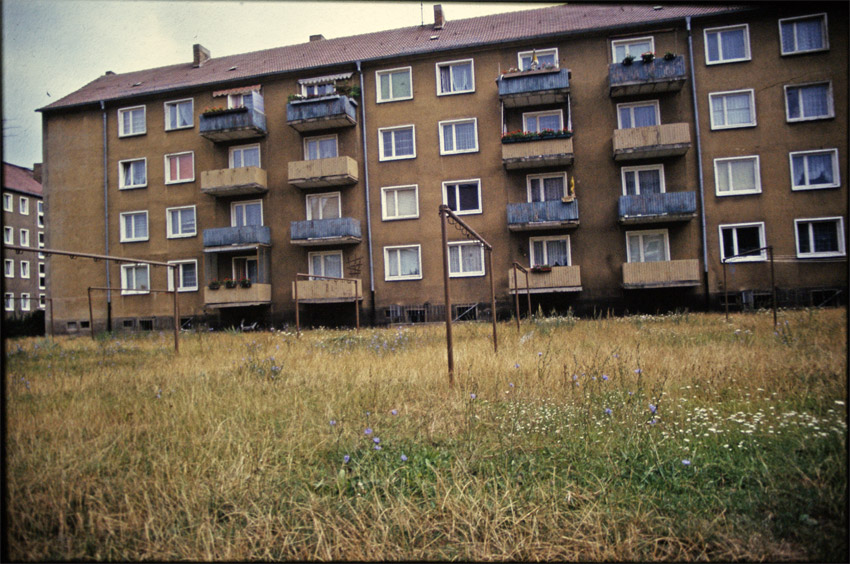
[621, 153]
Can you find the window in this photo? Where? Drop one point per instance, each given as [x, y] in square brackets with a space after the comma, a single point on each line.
[545, 57]
[42, 277]
[727, 44]
[647, 246]
[132, 174]
[323, 206]
[318, 87]
[400, 202]
[820, 237]
[631, 47]
[131, 121]
[246, 267]
[187, 275]
[804, 34]
[41, 243]
[7, 203]
[40, 207]
[732, 109]
[135, 279]
[463, 196]
[738, 175]
[538, 121]
[397, 143]
[8, 235]
[245, 155]
[466, 259]
[180, 222]
[814, 169]
[9, 301]
[24, 238]
[9, 268]
[808, 101]
[179, 167]
[394, 85]
[178, 114]
[455, 77]
[25, 269]
[236, 101]
[134, 226]
[42, 301]
[546, 187]
[743, 242]
[459, 136]
[243, 214]
[550, 251]
[402, 263]
[320, 147]
[647, 179]
[25, 302]
[640, 114]
[327, 263]
[24, 206]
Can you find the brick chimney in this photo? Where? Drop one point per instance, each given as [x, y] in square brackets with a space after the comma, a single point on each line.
[200, 55]
[36, 172]
[318, 37]
[439, 18]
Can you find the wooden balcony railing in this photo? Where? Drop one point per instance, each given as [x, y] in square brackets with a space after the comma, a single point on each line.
[651, 142]
[234, 181]
[322, 173]
[539, 153]
[559, 279]
[257, 294]
[662, 274]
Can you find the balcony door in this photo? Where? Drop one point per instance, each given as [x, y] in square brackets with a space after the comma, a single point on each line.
[245, 267]
[546, 187]
[245, 214]
[648, 246]
[245, 155]
[326, 264]
[643, 180]
[320, 148]
[323, 206]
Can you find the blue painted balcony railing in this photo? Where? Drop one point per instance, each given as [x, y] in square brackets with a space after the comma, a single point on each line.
[657, 76]
[250, 235]
[542, 212]
[666, 206]
[238, 123]
[533, 82]
[338, 228]
[319, 113]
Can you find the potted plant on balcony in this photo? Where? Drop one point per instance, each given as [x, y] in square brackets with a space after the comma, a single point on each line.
[669, 56]
[541, 268]
[647, 57]
[214, 285]
[229, 283]
[628, 60]
[245, 282]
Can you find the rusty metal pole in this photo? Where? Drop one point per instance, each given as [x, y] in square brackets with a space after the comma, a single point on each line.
[772, 284]
[492, 298]
[91, 316]
[175, 277]
[297, 320]
[356, 307]
[449, 344]
[516, 296]
[725, 291]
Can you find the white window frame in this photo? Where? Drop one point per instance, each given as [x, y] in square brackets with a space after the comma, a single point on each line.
[312, 254]
[761, 257]
[712, 95]
[305, 85]
[8, 202]
[23, 205]
[168, 168]
[437, 68]
[248, 259]
[632, 105]
[124, 238]
[234, 205]
[719, 31]
[814, 254]
[235, 148]
[547, 51]
[122, 111]
[532, 240]
[542, 176]
[830, 102]
[617, 42]
[461, 273]
[757, 190]
[125, 290]
[380, 73]
[166, 112]
[309, 197]
[559, 112]
[40, 211]
[170, 232]
[315, 138]
[8, 235]
[9, 301]
[25, 301]
[388, 249]
[42, 301]
[641, 233]
[24, 237]
[181, 286]
[9, 268]
[41, 243]
[122, 179]
[42, 276]
[25, 269]
[824, 31]
[446, 185]
[625, 169]
[454, 122]
[381, 153]
[835, 169]
[385, 194]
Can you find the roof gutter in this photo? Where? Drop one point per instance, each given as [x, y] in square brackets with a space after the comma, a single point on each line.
[366, 183]
[106, 220]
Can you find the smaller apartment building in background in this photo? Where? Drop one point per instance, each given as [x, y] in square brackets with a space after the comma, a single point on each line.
[621, 152]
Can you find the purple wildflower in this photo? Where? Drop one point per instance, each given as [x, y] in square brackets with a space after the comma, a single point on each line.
[608, 411]
[345, 459]
[605, 377]
[377, 447]
[652, 408]
[333, 422]
[403, 458]
[472, 396]
[368, 431]
[376, 440]
[394, 412]
[686, 462]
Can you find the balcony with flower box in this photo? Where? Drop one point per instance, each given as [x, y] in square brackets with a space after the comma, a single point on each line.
[323, 173]
[315, 232]
[654, 141]
[534, 87]
[661, 274]
[230, 124]
[657, 208]
[234, 181]
[322, 112]
[523, 149]
[328, 291]
[555, 214]
[546, 280]
[638, 78]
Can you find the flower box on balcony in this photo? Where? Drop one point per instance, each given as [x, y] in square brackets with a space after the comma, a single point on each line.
[223, 111]
[513, 73]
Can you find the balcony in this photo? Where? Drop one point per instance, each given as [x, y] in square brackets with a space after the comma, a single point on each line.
[257, 294]
[654, 208]
[234, 181]
[557, 151]
[641, 78]
[325, 112]
[236, 238]
[338, 231]
[322, 173]
[559, 279]
[235, 123]
[662, 274]
[327, 291]
[654, 141]
[534, 88]
[555, 214]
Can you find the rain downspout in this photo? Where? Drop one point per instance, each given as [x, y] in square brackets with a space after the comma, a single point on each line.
[106, 221]
[368, 200]
[699, 162]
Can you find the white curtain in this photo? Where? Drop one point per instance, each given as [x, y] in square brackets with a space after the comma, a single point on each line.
[557, 253]
[814, 100]
[644, 116]
[187, 221]
[465, 258]
[465, 136]
[737, 109]
[406, 202]
[650, 181]
[553, 188]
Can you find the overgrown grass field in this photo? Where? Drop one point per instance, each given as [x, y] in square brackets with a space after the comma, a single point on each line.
[677, 437]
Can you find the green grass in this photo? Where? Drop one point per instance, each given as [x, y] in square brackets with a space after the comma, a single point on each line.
[677, 437]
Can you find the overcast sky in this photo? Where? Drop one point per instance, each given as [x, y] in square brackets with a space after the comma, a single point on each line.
[53, 47]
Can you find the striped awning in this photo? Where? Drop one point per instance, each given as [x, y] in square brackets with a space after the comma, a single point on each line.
[325, 79]
[240, 90]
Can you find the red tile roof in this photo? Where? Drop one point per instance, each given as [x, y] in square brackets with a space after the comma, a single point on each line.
[20, 179]
[406, 41]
